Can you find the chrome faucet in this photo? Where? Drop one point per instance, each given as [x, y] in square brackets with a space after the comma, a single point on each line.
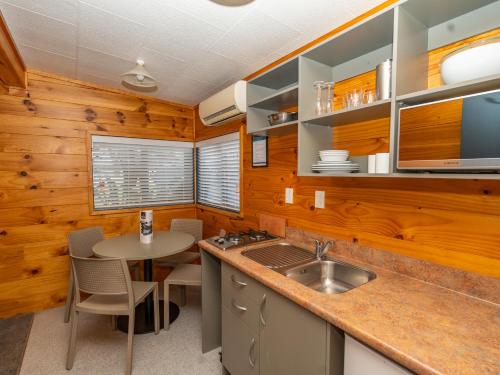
[322, 248]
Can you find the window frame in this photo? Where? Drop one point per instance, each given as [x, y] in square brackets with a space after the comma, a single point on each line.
[231, 214]
[94, 212]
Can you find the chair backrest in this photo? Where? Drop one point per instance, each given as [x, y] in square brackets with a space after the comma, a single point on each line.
[81, 241]
[109, 276]
[192, 226]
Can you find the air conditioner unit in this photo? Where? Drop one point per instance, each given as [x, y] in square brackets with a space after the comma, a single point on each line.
[227, 105]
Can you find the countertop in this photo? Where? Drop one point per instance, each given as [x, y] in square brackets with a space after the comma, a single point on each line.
[424, 327]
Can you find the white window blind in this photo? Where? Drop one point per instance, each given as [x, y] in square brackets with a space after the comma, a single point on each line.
[134, 172]
[218, 172]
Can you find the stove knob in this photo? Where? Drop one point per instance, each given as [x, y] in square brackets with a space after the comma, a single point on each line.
[220, 240]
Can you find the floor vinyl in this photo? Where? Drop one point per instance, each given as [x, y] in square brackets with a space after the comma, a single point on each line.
[100, 350]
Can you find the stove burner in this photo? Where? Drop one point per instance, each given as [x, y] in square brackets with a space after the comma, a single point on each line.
[234, 238]
[257, 235]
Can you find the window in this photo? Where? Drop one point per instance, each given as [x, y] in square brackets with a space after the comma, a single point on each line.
[134, 172]
[218, 172]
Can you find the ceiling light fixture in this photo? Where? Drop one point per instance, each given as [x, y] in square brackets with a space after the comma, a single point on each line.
[232, 3]
[139, 78]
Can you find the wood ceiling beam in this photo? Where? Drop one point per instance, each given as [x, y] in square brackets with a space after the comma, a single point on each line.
[12, 68]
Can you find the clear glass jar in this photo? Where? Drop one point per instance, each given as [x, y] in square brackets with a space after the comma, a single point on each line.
[318, 104]
[328, 107]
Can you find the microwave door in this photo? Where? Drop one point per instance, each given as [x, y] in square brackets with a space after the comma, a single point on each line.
[455, 134]
[481, 127]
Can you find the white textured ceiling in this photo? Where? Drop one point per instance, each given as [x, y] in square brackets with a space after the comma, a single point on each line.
[193, 47]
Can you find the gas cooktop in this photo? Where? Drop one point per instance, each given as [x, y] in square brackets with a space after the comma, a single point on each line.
[235, 240]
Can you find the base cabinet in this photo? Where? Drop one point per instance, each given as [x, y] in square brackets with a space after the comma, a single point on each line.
[240, 346]
[361, 360]
[293, 341]
[265, 333]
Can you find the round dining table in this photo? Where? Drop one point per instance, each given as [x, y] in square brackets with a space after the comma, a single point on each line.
[130, 248]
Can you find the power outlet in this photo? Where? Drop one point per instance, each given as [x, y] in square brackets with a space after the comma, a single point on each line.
[319, 199]
[289, 195]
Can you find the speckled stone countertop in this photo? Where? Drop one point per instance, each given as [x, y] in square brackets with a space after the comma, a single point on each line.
[424, 327]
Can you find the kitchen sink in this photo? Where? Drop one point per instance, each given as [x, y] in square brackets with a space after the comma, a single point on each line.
[326, 276]
[329, 276]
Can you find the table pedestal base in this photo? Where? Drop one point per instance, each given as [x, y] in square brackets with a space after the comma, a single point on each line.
[141, 326]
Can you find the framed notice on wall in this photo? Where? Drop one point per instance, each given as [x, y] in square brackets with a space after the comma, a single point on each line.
[259, 151]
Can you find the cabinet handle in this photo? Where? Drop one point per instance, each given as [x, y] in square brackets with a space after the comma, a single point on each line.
[236, 306]
[239, 283]
[251, 352]
[262, 304]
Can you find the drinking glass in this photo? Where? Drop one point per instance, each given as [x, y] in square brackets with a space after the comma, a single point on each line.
[328, 107]
[318, 105]
[369, 96]
[356, 98]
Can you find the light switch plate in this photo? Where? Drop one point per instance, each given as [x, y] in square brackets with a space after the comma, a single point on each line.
[319, 199]
[289, 195]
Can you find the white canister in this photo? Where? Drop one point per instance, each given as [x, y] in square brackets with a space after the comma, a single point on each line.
[383, 80]
[146, 226]
[371, 163]
[382, 163]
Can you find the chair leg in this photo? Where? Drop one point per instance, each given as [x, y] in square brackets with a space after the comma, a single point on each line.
[166, 306]
[157, 309]
[70, 358]
[69, 297]
[183, 295]
[131, 324]
[114, 322]
[137, 272]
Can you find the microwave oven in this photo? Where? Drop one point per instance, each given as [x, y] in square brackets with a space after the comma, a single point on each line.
[458, 134]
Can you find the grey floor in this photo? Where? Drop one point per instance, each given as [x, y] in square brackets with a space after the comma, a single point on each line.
[13, 337]
[101, 350]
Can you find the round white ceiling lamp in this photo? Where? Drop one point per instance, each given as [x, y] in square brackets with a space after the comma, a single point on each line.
[139, 78]
[232, 3]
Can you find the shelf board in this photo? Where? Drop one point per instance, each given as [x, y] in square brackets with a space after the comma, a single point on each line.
[365, 112]
[353, 174]
[280, 129]
[287, 97]
[474, 86]
[279, 76]
[450, 176]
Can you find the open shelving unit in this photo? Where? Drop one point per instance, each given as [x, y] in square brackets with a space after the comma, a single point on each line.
[412, 33]
[274, 91]
[449, 91]
[365, 112]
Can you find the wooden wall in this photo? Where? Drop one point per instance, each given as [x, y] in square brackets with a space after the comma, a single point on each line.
[450, 222]
[44, 178]
[454, 223]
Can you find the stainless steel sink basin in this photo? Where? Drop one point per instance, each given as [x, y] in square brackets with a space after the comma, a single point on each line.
[326, 276]
[329, 276]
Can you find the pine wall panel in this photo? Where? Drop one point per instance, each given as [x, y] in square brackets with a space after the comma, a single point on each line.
[451, 222]
[44, 179]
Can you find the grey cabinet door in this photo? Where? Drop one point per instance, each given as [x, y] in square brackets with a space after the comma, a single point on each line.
[240, 346]
[292, 339]
[210, 302]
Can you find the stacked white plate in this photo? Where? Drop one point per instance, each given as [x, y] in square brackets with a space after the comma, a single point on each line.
[334, 161]
[333, 155]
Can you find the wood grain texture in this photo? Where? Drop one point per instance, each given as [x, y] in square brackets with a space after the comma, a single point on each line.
[12, 69]
[449, 222]
[431, 132]
[44, 180]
